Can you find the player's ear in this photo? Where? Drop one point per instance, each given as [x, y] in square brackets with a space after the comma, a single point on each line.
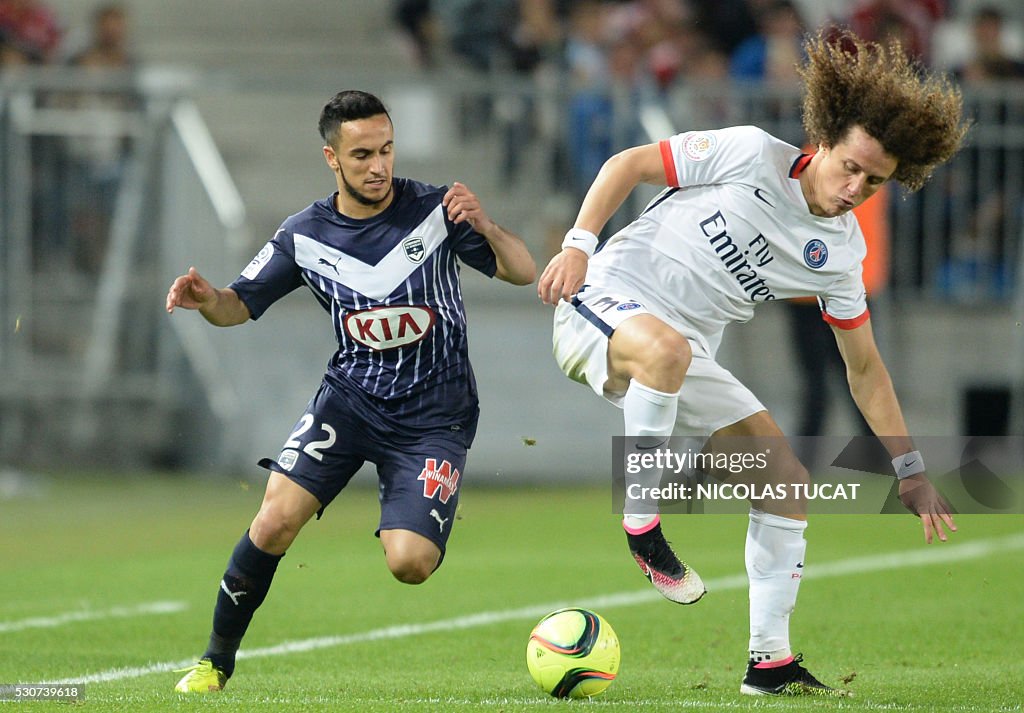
[331, 158]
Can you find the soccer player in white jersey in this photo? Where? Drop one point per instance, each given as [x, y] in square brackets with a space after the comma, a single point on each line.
[747, 219]
[381, 255]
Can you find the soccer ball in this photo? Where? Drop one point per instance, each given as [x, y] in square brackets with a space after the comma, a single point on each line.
[573, 653]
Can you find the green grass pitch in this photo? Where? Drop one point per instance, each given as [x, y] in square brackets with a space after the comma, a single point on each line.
[81, 556]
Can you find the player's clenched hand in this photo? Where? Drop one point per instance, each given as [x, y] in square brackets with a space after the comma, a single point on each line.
[563, 277]
[463, 205]
[920, 497]
[190, 291]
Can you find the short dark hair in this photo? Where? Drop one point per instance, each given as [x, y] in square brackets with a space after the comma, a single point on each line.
[348, 105]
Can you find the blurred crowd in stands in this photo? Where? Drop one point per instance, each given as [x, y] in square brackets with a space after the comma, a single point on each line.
[643, 50]
[31, 33]
[75, 177]
[666, 41]
[649, 49]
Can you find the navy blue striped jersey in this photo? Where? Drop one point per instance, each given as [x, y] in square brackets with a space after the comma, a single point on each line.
[391, 286]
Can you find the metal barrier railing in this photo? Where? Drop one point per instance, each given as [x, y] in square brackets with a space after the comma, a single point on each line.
[84, 224]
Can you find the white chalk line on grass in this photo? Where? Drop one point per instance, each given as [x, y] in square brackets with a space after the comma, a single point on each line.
[933, 555]
[633, 704]
[124, 612]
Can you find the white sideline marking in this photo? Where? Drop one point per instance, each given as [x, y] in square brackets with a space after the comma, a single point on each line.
[633, 704]
[49, 622]
[858, 565]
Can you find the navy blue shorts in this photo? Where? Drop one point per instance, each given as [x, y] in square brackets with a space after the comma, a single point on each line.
[419, 473]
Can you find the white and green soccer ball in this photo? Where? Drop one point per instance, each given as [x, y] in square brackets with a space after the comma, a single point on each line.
[573, 653]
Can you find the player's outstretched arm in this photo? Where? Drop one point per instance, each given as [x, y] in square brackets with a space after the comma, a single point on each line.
[515, 264]
[874, 395]
[220, 307]
[619, 175]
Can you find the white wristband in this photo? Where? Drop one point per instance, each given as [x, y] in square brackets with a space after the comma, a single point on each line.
[581, 240]
[908, 464]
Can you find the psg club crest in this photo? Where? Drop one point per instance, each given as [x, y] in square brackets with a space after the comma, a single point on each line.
[815, 253]
[414, 250]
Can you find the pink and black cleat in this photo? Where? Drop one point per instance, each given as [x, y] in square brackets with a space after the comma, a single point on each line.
[654, 555]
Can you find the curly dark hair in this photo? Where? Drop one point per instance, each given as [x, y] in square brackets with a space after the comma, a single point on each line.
[916, 116]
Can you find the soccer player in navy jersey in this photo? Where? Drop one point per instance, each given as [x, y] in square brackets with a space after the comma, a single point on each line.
[380, 255]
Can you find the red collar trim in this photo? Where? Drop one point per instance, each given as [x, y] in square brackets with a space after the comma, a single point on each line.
[800, 164]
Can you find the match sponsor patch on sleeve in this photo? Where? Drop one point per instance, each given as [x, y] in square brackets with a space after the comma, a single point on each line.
[259, 262]
[699, 145]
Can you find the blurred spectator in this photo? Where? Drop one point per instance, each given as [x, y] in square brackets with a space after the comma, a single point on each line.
[638, 51]
[586, 43]
[417, 21]
[31, 28]
[533, 50]
[990, 60]
[956, 42]
[477, 31]
[538, 34]
[774, 53]
[10, 55]
[975, 268]
[97, 161]
[525, 39]
[912, 22]
[773, 56]
[684, 54]
[108, 47]
[726, 23]
[594, 62]
[704, 60]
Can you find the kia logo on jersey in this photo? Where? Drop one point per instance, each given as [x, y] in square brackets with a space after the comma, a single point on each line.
[414, 249]
[441, 480]
[815, 253]
[383, 328]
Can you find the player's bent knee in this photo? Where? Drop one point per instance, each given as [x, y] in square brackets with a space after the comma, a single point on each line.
[412, 570]
[665, 358]
[670, 349]
[274, 532]
[411, 557]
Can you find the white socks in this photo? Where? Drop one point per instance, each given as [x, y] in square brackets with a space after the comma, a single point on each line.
[649, 416]
[775, 558]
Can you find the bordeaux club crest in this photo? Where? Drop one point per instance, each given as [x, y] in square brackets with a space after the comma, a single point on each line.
[414, 250]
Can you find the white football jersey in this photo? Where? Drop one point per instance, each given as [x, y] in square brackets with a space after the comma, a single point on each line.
[731, 231]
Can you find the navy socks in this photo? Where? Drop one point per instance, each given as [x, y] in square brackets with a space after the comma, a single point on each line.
[243, 588]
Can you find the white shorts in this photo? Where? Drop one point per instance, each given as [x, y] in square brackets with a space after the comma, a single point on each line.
[711, 397]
